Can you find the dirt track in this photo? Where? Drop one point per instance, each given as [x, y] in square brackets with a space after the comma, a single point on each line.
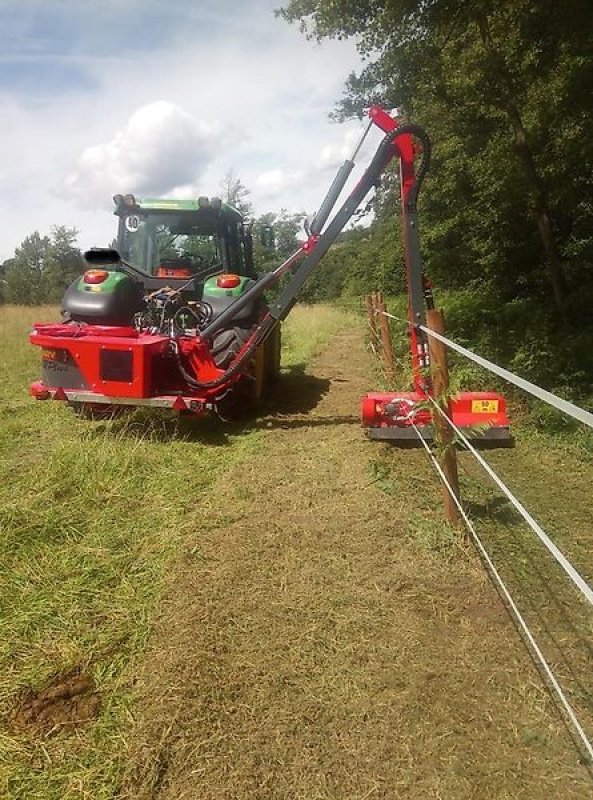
[317, 643]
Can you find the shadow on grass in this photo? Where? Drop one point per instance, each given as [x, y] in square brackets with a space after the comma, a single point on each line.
[297, 392]
[498, 509]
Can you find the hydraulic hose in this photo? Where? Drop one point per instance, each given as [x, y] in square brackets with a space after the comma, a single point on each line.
[259, 335]
[423, 168]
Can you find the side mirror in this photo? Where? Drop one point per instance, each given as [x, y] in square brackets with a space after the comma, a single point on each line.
[266, 235]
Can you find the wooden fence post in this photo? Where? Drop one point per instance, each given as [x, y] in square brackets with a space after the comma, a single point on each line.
[370, 306]
[386, 340]
[440, 391]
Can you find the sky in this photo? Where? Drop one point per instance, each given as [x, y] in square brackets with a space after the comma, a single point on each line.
[161, 98]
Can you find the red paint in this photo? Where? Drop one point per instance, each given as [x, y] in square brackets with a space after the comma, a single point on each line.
[405, 149]
[389, 409]
[154, 370]
[39, 391]
[400, 409]
[85, 347]
[310, 244]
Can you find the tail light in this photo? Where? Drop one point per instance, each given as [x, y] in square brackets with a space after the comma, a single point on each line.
[370, 410]
[228, 281]
[95, 276]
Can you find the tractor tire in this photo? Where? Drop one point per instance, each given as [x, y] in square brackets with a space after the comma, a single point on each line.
[273, 355]
[227, 343]
[244, 398]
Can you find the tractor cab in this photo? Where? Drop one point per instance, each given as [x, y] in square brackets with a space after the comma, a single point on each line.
[169, 242]
[193, 250]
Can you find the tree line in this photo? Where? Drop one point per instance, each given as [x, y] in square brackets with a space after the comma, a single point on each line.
[42, 267]
[503, 88]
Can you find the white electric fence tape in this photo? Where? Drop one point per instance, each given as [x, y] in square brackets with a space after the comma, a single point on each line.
[511, 603]
[557, 402]
[535, 527]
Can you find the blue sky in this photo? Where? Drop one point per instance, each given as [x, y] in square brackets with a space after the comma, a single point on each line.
[160, 96]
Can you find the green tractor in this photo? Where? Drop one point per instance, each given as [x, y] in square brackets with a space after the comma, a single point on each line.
[206, 245]
[178, 265]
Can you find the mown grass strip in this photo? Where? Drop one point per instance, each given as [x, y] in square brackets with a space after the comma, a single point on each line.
[90, 517]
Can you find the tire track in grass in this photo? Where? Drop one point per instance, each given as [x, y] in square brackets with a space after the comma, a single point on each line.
[323, 636]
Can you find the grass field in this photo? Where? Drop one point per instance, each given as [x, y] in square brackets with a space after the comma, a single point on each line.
[277, 610]
[90, 516]
[550, 470]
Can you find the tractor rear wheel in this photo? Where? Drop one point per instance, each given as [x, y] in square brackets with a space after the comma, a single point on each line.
[244, 397]
[227, 343]
[273, 352]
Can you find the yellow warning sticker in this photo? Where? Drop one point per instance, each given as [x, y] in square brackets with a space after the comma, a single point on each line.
[485, 406]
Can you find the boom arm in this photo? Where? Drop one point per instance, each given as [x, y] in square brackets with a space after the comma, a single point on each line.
[398, 141]
[409, 187]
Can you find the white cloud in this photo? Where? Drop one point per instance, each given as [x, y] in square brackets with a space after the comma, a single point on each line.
[275, 181]
[141, 123]
[334, 154]
[158, 150]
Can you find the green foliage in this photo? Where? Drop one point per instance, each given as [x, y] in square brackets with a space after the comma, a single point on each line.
[286, 228]
[503, 90]
[381, 476]
[42, 267]
[362, 260]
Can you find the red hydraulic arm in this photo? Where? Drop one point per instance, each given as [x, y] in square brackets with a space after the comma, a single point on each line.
[405, 150]
[321, 237]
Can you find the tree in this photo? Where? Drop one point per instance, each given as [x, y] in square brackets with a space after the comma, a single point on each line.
[63, 262]
[286, 227]
[503, 80]
[503, 88]
[235, 193]
[25, 283]
[42, 267]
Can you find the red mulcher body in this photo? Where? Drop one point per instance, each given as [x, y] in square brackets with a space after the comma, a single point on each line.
[100, 365]
[389, 416]
[180, 322]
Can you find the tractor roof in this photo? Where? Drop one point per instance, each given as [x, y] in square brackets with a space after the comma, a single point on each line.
[202, 204]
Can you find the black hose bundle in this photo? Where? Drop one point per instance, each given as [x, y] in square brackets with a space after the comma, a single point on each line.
[258, 337]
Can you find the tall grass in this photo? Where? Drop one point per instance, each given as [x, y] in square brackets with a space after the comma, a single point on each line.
[91, 514]
[309, 328]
